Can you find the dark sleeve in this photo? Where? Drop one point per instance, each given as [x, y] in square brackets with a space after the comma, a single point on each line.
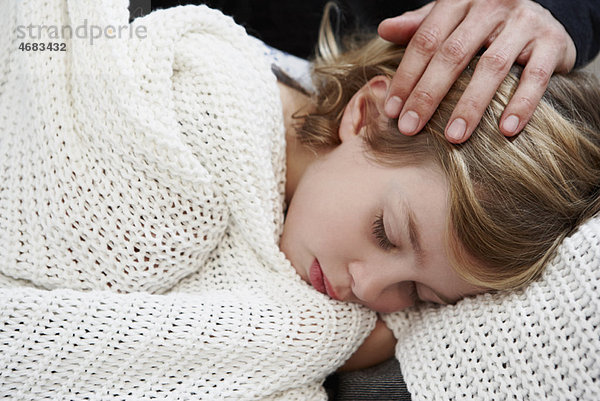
[581, 19]
[292, 26]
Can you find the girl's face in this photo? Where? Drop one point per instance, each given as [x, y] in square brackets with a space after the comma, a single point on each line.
[372, 234]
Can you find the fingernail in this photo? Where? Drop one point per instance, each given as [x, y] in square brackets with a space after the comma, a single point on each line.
[456, 130]
[393, 106]
[510, 124]
[409, 122]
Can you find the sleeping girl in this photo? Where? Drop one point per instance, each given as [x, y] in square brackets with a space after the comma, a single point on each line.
[387, 221]
[144, 183]
[449, 221]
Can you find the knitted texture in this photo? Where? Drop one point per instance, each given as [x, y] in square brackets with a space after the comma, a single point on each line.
[540, 343]
[141, 193]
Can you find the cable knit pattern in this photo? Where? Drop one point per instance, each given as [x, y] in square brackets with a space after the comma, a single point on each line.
[540, 343]
[141, 193]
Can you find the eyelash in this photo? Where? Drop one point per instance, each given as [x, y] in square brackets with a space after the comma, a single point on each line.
[379, 233]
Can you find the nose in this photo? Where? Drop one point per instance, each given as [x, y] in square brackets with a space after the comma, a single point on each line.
[368, 282]
[383, 287]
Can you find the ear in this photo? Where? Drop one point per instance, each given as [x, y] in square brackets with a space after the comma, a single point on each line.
[354, 119]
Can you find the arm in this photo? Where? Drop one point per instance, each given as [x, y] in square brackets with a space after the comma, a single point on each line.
[377, 348]
[442, 38]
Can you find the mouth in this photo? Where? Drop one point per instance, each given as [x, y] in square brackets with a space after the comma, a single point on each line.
[320, 282]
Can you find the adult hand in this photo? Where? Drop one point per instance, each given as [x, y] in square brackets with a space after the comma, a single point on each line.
[442, 38]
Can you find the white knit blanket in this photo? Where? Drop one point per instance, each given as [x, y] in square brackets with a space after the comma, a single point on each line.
[141, 193]
[140, 208]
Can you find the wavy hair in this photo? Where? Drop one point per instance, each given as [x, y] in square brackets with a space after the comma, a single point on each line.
[511, 200]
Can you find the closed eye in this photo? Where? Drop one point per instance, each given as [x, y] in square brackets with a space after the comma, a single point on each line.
[380, 235]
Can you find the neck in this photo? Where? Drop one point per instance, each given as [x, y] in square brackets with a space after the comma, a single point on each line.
[298, 157]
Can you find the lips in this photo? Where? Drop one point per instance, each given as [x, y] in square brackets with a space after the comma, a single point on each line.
[319, 280]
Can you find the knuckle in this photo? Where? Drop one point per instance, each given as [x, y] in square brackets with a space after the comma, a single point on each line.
[453, 51]
[496, 6]
[472, 104]
[538, 75]
[399, 90]
[544, 14]
[470, 108]
[540, 22]
[423, 98]
[525, 103]
[402, 83]
[556, 36]
[528, 16]
[496, 62]
[426, 41]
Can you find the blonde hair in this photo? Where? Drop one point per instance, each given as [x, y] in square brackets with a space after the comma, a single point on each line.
[511, 200]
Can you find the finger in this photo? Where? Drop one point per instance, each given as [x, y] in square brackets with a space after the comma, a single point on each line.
[491, 69]
[400, 29]
[534, 81]
[437, 26]
[552, 50]
[443, 70]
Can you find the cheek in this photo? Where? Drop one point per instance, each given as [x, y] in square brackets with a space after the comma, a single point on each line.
[393, 305]
[317, 198]
[396, 298]
[303, 215]
[322, 212]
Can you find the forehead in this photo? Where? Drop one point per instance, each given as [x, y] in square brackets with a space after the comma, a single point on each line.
[422, 189]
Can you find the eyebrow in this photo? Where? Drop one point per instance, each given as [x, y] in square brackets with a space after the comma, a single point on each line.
[413, 234]
[415, 242]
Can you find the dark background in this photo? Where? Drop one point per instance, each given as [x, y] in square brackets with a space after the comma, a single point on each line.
[293, 26]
